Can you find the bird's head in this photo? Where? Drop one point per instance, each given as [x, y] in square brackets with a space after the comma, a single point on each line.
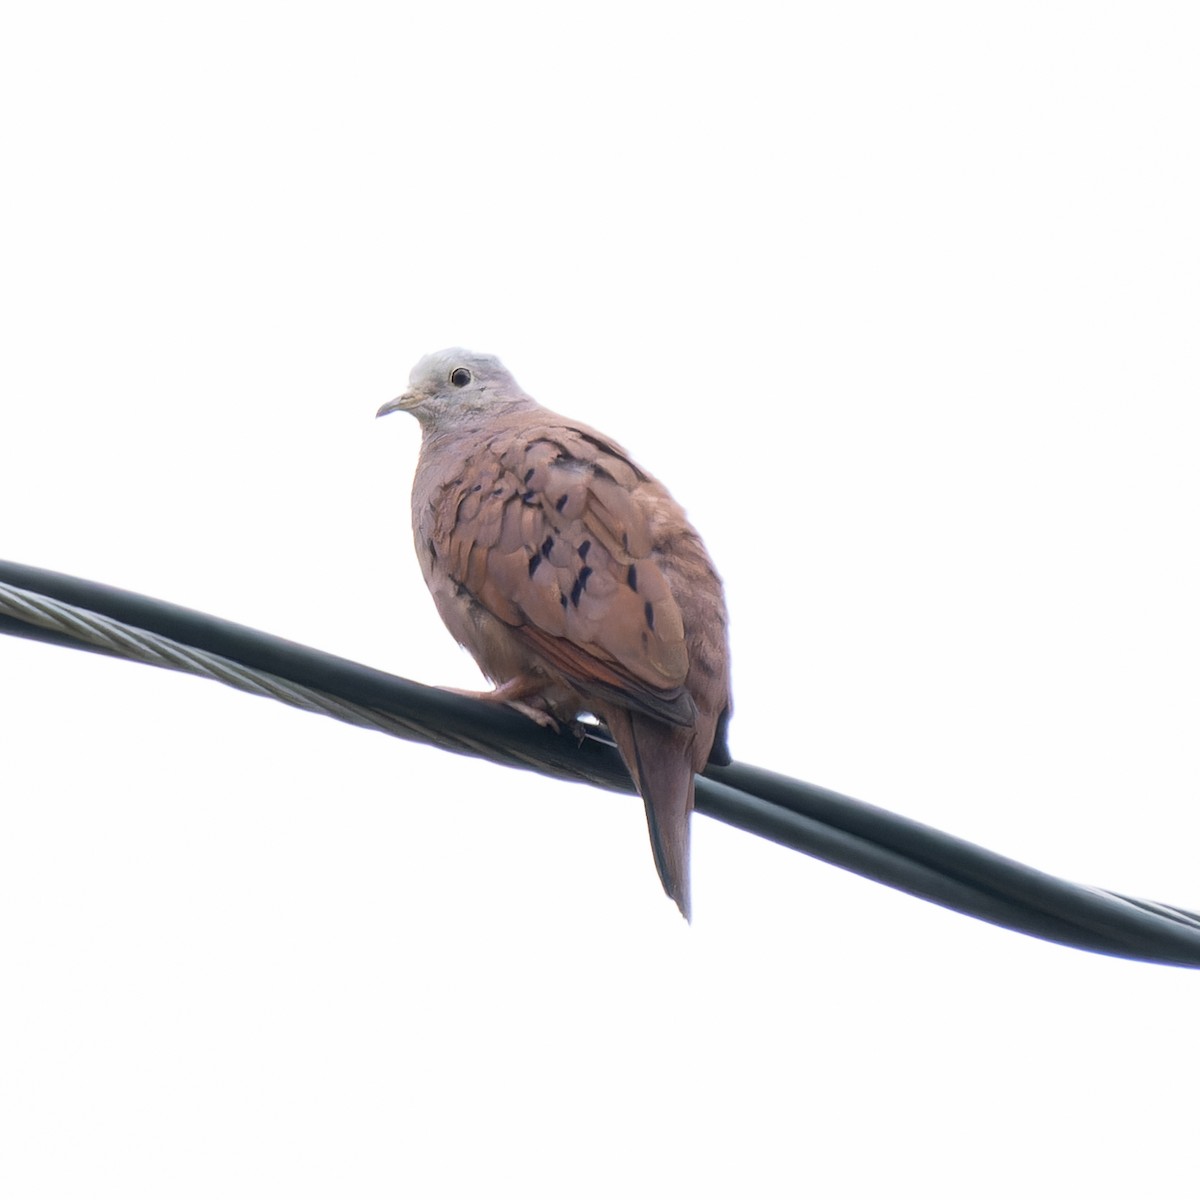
[451, 387]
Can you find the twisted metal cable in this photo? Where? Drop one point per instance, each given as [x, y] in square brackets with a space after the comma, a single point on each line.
[870, 841]
[139, 645]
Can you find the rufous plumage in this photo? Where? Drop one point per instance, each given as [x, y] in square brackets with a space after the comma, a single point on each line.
[574, 580]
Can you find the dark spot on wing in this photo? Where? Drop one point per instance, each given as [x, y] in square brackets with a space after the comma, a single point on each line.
[609, 448]
[580, 583]
[477, 488]
[631, 578]
[529, 474]
[547, 546]
[649, 614]
[561, 503]
[563, 601]
[534, 562]
[584, 547]
[549, 441]
[529, 498]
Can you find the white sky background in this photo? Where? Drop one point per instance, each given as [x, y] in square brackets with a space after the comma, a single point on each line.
[902, 303]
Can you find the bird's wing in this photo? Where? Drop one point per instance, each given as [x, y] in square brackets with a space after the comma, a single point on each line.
[551, 528]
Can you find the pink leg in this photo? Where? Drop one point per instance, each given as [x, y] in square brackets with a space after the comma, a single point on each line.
[512, 692]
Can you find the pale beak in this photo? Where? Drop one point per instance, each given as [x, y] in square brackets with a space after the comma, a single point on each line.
[400, 404]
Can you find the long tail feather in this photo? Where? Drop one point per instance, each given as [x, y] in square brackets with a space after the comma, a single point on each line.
[659, 758]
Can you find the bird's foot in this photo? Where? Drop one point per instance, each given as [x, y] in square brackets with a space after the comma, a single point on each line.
[540, 715]
[512, 693]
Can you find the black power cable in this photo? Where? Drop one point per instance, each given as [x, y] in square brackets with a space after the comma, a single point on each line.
[859, 837]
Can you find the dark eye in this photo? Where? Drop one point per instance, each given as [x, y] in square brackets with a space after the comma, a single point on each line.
[460, 377]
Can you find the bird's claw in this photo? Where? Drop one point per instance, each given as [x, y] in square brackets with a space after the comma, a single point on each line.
[540, 715]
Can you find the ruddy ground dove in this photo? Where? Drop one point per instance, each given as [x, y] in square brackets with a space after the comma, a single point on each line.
[575, 581]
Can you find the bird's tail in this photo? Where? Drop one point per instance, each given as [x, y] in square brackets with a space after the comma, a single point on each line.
[659, 758]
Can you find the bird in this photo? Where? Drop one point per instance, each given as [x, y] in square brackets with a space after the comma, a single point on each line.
[574, 580]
